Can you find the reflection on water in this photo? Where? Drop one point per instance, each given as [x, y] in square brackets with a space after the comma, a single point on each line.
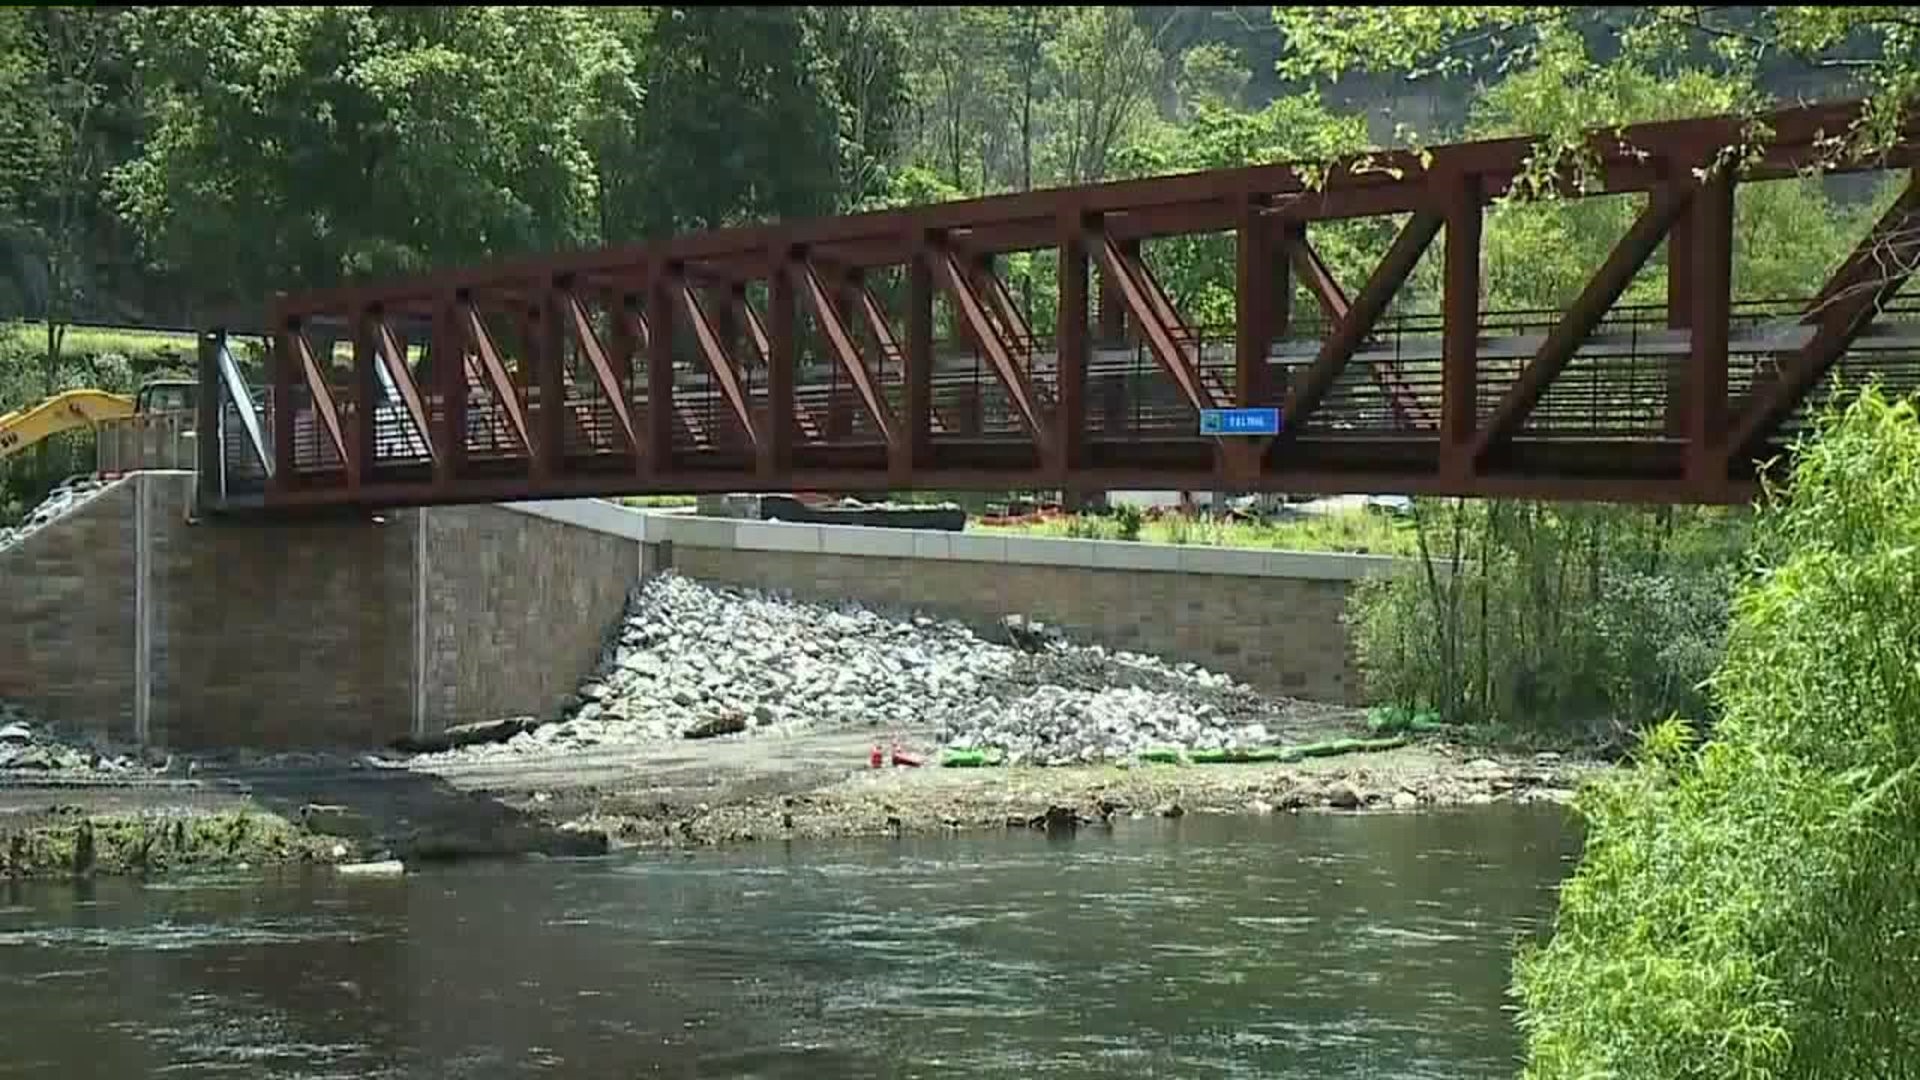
[1313, 946]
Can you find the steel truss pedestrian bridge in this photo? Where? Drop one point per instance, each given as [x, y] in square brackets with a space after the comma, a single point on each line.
[889, 351]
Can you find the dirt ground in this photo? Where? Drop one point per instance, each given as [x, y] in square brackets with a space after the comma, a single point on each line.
[821, 785]
[691, 793]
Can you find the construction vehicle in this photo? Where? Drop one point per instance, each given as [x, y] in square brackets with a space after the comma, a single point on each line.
[25, 427]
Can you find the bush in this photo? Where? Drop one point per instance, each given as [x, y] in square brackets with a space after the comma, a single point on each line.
[1562, 623]
[1128, 520]
[1750, 907]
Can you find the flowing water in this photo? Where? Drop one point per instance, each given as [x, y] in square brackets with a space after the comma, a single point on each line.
[1315, 946]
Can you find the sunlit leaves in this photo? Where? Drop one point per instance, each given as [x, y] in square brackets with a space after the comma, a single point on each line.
[1748, 909]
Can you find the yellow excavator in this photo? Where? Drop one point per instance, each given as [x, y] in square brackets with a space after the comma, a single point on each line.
[22, 428]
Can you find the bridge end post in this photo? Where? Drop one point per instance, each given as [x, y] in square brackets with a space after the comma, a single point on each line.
[207, 449]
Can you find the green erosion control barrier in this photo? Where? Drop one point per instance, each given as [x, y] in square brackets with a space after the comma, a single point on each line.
[1399, 720]
[1330, 748]
[977, 759]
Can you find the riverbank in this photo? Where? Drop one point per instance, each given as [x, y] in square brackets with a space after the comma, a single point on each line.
[235, 810]
[822, 788]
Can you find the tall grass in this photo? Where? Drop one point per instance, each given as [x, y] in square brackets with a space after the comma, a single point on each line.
[1357, 531]
[1750, 907]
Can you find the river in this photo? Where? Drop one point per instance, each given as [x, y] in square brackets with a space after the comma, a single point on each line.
[1311, 946]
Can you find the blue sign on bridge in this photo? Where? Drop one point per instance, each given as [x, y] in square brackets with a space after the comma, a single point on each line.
[1239, 421]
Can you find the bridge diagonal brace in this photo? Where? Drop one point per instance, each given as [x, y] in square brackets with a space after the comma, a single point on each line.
[1353, 328]
[1870, 276]
[1664, 207]
[603, 373]
[1335, 308]
[841, 339]
[393, 360]
[972, 311]
[1314, 272]
[877, 322]
[1015, 330]
[232, 388]
[720, 361]
[323, 404]
[495, 375]
[1115, 264]
[757, 332]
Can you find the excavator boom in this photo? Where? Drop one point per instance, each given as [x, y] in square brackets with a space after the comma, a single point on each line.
[75, 408]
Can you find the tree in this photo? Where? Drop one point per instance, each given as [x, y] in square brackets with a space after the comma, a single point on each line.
[1106, 69]
[302, 145]
[610, 124]
[62, 71]
[864, 50]
[1875, 50]
[1211, 76]
[739, 122]
[960, 88]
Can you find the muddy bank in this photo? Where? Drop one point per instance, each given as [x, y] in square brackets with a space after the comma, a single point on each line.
[821, 787]
[322, 809]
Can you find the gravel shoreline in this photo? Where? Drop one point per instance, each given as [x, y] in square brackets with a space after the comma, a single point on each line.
[326, 809]
[747, 806]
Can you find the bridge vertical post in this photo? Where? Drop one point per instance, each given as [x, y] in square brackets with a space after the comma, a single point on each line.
[1680, 279]
[660, 411]
[1253, 305]
[625, 345]
[1070, 340]
[919, 363]
[282, 361]
[450, 374]
[544, 348]
[1460, 326]
[776, 452]
[1710, 303]
[366, 396]
[209, 447]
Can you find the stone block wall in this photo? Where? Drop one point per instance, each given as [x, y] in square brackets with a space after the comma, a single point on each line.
[277, 635]
[129, 618]
[67, 623]
[517, 607]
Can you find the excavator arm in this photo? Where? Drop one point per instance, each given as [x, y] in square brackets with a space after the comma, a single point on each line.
[75, 408]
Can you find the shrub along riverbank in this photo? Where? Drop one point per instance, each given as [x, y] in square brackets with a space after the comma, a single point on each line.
[1750, 906]
[1556, 625]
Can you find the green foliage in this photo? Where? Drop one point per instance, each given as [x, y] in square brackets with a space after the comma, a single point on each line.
[301, 145]
[1358, 532]
[738, 121]
[1877, 48]
[1199, 270]
[1747, 907]
[1571, 623]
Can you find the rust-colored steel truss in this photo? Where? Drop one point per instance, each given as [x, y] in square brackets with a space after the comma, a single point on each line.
[803, 356]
